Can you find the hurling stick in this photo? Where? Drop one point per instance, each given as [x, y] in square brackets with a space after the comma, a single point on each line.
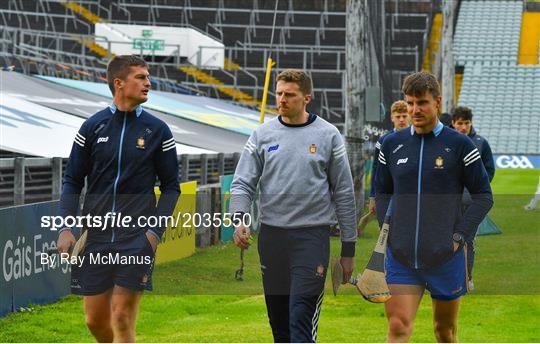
[362, 224]
[372, 283]
[337, 276]
[78, 248]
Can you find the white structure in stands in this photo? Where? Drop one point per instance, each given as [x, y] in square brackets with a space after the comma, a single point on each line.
[122, 39]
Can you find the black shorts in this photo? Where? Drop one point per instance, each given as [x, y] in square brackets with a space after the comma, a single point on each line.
[293, 265]
[127, 263]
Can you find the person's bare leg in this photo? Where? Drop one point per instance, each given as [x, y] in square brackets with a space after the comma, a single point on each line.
[125, 306]
[97, 310]
[401, 311]
[533, 204]
[445, 314]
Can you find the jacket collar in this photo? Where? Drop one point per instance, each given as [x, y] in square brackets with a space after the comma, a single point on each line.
[472, 133]
[436, 131]
[138, 109]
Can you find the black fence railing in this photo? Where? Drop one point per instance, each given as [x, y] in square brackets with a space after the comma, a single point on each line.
[26, 180]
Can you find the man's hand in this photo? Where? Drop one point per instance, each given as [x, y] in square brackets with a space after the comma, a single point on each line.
[66, 240]
[456, 246]
[372, 207]
[153, 240]
[347, 263]
[242, 236]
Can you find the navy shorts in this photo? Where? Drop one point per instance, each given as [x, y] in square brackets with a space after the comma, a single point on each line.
[127, 263]
[447, 281]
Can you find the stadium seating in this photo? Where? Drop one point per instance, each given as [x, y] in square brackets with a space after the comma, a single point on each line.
[488, 31]
[308, 35]
[48, 38]
[506, 105]
[504, 96]
[49, 16]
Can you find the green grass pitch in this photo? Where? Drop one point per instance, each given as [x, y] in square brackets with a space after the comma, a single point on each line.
[197, 299]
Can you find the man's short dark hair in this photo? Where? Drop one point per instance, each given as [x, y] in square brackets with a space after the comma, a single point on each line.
[118, 68]
[417, 84]
[463, 113]
[301, 78]
[446, 119]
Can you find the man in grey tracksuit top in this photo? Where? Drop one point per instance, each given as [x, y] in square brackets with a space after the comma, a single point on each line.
[301, 166]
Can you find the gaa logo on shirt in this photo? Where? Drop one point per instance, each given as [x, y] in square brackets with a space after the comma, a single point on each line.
[313, 148]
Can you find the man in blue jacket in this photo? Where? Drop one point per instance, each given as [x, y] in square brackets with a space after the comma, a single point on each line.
[423, 172]
[120, 151]
[401, 120]
[462, 121]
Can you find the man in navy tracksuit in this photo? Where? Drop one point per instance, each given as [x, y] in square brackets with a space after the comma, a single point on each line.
[423, 171]
[120, 151]
[462, 121]
[400, 119]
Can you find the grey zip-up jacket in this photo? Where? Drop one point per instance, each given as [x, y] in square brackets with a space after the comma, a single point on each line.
[304, 178]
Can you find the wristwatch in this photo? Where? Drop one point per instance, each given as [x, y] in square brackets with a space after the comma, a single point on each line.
[458, 238]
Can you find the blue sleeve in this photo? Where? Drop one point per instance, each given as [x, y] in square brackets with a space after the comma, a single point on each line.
[487, 159]
[475, 179]
[384, 185]
[166, 162]
[77, 169]
[374, 167]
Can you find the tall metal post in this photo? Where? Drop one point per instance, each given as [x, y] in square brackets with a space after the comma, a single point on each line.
[449, 8]
[356, 83]
[19, 181]
[56, 167]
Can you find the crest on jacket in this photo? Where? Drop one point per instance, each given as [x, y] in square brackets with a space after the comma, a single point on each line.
[140, 142]
[439, 162]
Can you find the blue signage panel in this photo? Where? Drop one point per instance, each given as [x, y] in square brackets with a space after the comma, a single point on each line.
[24, 244]
[6, 285]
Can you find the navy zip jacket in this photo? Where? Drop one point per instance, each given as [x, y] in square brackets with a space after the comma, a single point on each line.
[487, 159]
[378, 146]
[120, 154]
[425, 176]
[485, 152]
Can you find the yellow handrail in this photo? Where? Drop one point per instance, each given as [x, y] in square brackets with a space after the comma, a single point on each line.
[269, 64]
